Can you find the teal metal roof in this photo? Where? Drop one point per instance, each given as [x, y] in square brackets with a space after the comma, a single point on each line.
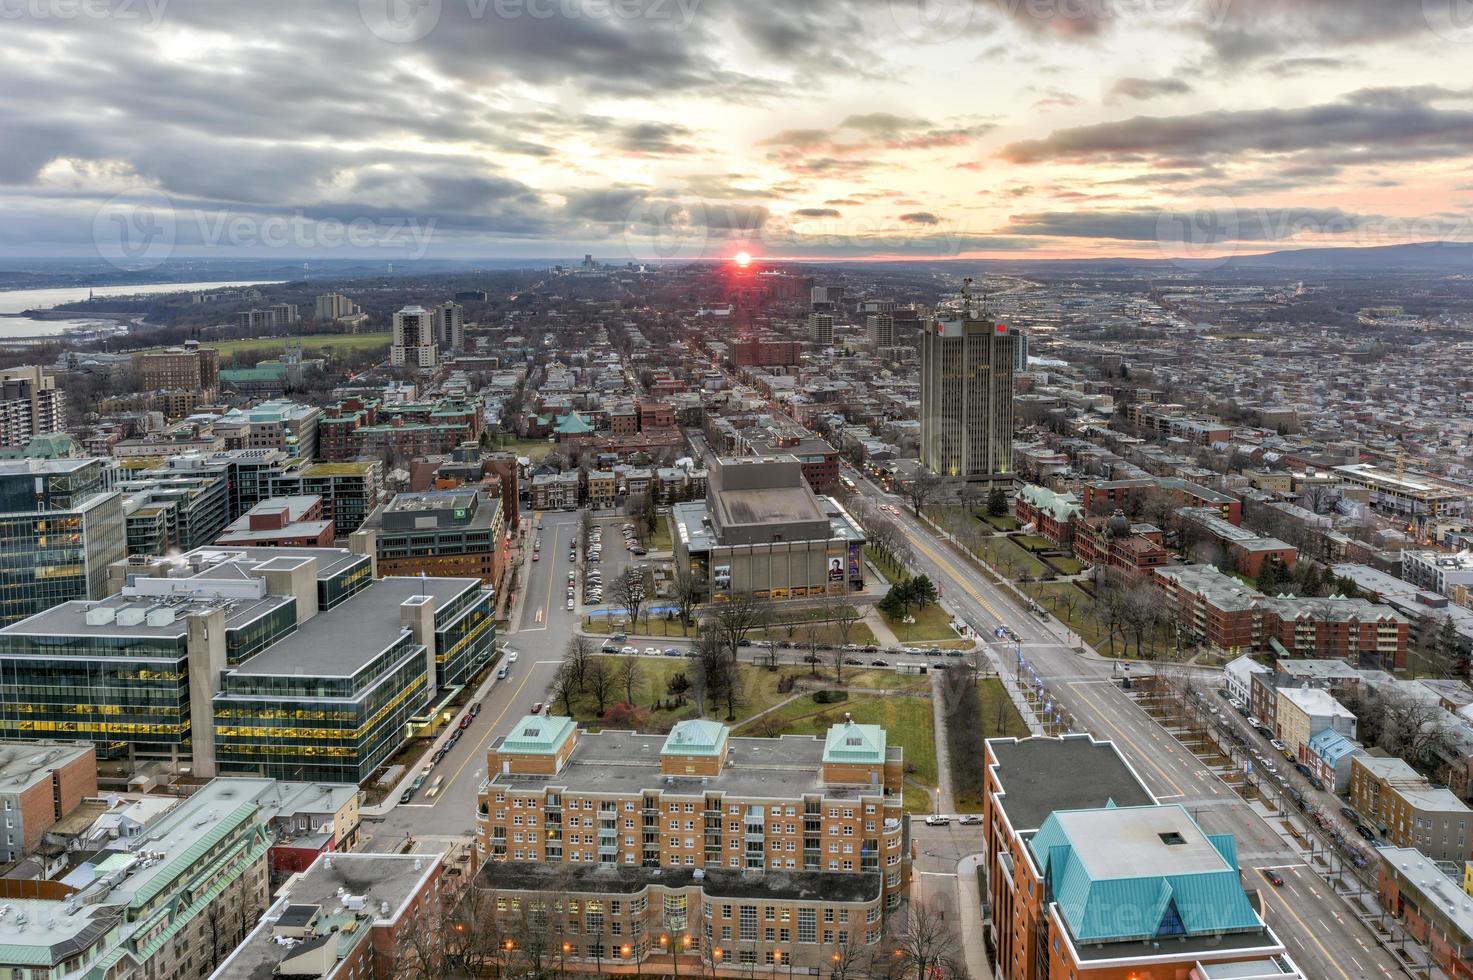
[572, 424]
[850, 742]
[536, 735]
[696, 737]
[1107, 905]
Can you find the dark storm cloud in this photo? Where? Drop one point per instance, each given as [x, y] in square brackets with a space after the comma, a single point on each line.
[1149, 224]
[1252, 30]
[1369, 126]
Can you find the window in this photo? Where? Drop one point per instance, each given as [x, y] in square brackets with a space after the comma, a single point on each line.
[807, 926]
[747, 920]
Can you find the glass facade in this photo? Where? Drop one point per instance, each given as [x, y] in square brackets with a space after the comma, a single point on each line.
[347, 583]
[244, 641]
[50, 557]
[113, 690]
[465, 643]
[335, 729]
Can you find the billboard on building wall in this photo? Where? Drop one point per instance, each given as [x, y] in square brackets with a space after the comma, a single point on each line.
[721, 578]
[836, 569]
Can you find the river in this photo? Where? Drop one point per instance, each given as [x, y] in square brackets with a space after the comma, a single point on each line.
[17, 300]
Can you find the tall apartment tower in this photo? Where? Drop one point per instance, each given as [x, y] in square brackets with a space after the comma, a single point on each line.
[1020, 362]
[821, 328]
[414, 339]
[334, 306]
[30, 405]
[880, 329]
[449, 326]
[967, 363]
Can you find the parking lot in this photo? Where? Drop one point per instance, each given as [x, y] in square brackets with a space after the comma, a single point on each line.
[607, 542]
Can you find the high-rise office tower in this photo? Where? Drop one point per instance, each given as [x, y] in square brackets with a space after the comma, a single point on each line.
[449, 326]
[414, 339]
[821, 328]
[1020, 362]
[967, 364]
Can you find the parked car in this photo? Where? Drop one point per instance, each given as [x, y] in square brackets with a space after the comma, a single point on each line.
[571, 604]
[608, 648]
[651, 652]
[955, 653]
[1349, 814]
[1365, 832]
[1278, 746]
[938, 820]
[672, 652]
[630, 651]
[970, 820]
[879, 663]
[853, 662]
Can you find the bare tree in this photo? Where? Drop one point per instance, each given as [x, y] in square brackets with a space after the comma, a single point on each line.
[713, 670]
[628, 591]
[926, 944]
[921, 489]
[734, 619]
[576, 657]
[629, 677]
[687, 591]
[600, 681]
[564, 688]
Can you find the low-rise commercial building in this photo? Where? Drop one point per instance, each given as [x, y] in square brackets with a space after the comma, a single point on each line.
[1429, 904]
[1408, 811]
[1304, 712]
[762, 531]
[445, 532]
[279, 522]
[725, 853]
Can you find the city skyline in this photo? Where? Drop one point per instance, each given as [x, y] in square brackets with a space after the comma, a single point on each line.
[680, 129]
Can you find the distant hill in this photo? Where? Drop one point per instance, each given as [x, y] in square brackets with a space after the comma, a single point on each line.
[1429, 256]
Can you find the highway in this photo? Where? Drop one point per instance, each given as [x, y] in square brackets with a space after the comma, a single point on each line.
[1319, 930]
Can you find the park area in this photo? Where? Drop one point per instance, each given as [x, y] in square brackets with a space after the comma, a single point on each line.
[328, 343]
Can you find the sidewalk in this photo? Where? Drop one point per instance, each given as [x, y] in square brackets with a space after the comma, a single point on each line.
[945, 803]
[969, 908]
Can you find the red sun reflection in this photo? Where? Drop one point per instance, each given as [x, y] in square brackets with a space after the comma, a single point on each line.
[742, 259]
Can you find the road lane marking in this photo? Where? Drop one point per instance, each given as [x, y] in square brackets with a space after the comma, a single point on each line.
[1308, 932]
[1144, 756]
[496, 721]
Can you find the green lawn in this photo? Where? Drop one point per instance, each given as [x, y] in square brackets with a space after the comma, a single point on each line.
[1066, 566]
[1034, 542]
[998, 550]
[931, 623]
[759, 687]
[657, 627]
[1082, 620]
[1000, 719]
[1003, 522]
[660, 539]
[327, 342]
[534, 449]
[888, 570]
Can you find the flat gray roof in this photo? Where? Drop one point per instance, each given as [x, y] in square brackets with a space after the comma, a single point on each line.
[23, 764]
[618, 762]
[341, 640]
[1041, 775]
[70, 618]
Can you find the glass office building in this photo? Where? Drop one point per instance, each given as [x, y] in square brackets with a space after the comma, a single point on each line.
[61, 525]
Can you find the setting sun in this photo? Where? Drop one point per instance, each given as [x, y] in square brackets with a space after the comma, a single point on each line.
[743, 259]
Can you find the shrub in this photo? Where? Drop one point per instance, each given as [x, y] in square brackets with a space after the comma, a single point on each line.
[830, 697]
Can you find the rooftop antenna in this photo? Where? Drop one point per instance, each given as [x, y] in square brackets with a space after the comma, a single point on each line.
[967, 297]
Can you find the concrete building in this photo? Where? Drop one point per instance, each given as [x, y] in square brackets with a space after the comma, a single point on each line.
[279, 424]
[762, 531]
[1437, 571]
[446, 532]
[821, 329]
[449, 326]
[414, 339]
[170, 896]
[345, 917]
[279, 522]
[966, 408]
[723, 853]
[189, 368]
[1090, 877]
[40, 783]
[30, 405]
[1402, 806]
[1405, 495]
[335, 306]
[61, 525]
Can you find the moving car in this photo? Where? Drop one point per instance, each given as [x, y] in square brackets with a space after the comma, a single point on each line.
[1275, 879]
[536, 709]
[511, 656]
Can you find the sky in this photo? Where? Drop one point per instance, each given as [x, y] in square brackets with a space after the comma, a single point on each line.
[673, 129]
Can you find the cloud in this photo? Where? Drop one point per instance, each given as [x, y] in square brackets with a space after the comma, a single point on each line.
[1369, 126]
[1146, 88]
[1254, 30]
[1155, 224]
[816, 213]
[920, 218]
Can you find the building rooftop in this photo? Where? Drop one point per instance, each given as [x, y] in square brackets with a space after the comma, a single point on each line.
[333, 901]
[1432, 889]
[1041, 775]
[761, 768]
[626, 880]
[24, 764]
[339, 642]
[1315, 702]
[696, 737]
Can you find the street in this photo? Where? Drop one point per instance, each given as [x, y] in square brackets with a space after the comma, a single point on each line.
[1318, 928]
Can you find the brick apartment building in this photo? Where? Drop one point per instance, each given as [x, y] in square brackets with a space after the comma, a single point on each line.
[722, 854]
[766, 352]
[40, 783]
[1133, 550]
[1405, 808]
[1089, 877]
